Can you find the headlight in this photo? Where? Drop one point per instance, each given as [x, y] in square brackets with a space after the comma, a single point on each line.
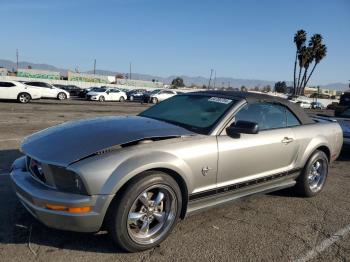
[65, 180]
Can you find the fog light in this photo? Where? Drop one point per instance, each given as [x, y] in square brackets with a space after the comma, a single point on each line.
[69, 209]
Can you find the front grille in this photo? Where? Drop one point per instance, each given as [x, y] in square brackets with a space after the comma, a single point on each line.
[88, 97]
[35, 169]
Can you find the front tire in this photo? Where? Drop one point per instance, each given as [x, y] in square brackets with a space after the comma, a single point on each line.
[314, 175]
[146, 212]
[154, 100]
[101, 99]
[61, 96]
[131, 98]
[24, 98]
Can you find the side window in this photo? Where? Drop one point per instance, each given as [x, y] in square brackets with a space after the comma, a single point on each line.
[291, 119]
[266, 115]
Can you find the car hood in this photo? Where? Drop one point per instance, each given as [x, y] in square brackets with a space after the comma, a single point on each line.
[69, 142]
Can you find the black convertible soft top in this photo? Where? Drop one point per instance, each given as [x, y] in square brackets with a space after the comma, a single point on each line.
[257, 97]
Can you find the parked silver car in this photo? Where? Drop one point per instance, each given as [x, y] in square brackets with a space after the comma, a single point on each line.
[137, 175]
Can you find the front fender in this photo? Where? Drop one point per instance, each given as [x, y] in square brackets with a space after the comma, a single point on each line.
[140, 163]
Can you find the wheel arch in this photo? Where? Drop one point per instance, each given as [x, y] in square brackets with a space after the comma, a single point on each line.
[172, 173]
[23, 92]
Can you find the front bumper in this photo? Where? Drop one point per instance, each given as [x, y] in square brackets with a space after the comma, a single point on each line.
[93, 98]
[35, 196]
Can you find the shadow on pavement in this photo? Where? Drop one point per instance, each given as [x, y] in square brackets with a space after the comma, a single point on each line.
[7, 157]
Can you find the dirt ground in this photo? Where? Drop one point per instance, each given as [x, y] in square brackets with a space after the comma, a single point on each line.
[273, 227]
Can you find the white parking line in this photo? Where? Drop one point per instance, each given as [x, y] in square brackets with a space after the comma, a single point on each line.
[10, 139]
[325, 244]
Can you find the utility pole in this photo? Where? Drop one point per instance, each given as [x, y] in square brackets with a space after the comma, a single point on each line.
[211, 73]
[130, 71]
[95, 66]
[17, 58]
[214, 78]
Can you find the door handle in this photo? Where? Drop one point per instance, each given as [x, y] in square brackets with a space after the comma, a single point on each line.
[287, 140]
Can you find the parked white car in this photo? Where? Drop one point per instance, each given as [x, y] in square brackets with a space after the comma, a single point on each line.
[304, 104]
[106, 94]
[161, 96]
[18, 91]
[50, 91]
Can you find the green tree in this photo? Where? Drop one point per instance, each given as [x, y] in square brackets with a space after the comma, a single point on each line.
[177, 82]
[281, 87]
[266, 89]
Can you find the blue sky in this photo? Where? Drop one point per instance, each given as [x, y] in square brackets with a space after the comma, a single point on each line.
[248, 39]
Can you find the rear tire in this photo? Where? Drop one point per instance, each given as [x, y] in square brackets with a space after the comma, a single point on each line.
[314, 175]
[146, 211]
[122, 99]
[131, 98]
[61, 96]
[24, 98]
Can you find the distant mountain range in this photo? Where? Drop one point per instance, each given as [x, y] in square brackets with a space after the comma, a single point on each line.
[188, 80]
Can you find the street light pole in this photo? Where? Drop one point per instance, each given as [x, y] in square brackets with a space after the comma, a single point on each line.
[17, 59]
[211, 73]
[130, 71]
[95, 66]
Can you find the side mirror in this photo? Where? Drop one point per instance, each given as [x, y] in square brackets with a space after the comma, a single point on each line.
[242, 127]
[107, 92]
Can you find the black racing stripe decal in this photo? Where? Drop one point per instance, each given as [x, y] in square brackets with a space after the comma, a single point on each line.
[233, 187]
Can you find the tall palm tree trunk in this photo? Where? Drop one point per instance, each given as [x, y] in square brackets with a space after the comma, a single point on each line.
[303, 80]
[307, 80]
[295, 69]
[298, 86]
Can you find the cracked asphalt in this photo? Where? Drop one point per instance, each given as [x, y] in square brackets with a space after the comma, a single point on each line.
[274, 227]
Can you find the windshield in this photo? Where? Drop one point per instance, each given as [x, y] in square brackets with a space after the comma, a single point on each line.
[197, 113]
[100, 90]
[155, 91]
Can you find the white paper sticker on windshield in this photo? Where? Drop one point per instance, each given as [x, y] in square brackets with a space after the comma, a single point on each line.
[220, 100]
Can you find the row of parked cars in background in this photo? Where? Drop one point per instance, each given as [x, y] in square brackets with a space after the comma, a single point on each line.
[24, 92]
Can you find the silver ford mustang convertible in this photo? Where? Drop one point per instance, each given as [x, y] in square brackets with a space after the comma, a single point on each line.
[136, 176]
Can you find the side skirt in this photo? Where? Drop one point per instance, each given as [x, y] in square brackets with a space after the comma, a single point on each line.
[211, 198]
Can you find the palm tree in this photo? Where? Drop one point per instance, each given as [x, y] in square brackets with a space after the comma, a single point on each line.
[303, 58]
[299, 40]
[319, 54]
[309, 57]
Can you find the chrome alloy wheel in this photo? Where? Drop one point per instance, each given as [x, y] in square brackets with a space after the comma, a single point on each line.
[317, 175]
[24, 98]
[152, 214]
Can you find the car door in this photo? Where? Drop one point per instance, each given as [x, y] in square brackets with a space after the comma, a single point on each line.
[4, 90]
[250, 156]
[116, 94]
[51, 91]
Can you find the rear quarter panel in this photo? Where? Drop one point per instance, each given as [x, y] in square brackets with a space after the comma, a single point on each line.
[312, 136]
